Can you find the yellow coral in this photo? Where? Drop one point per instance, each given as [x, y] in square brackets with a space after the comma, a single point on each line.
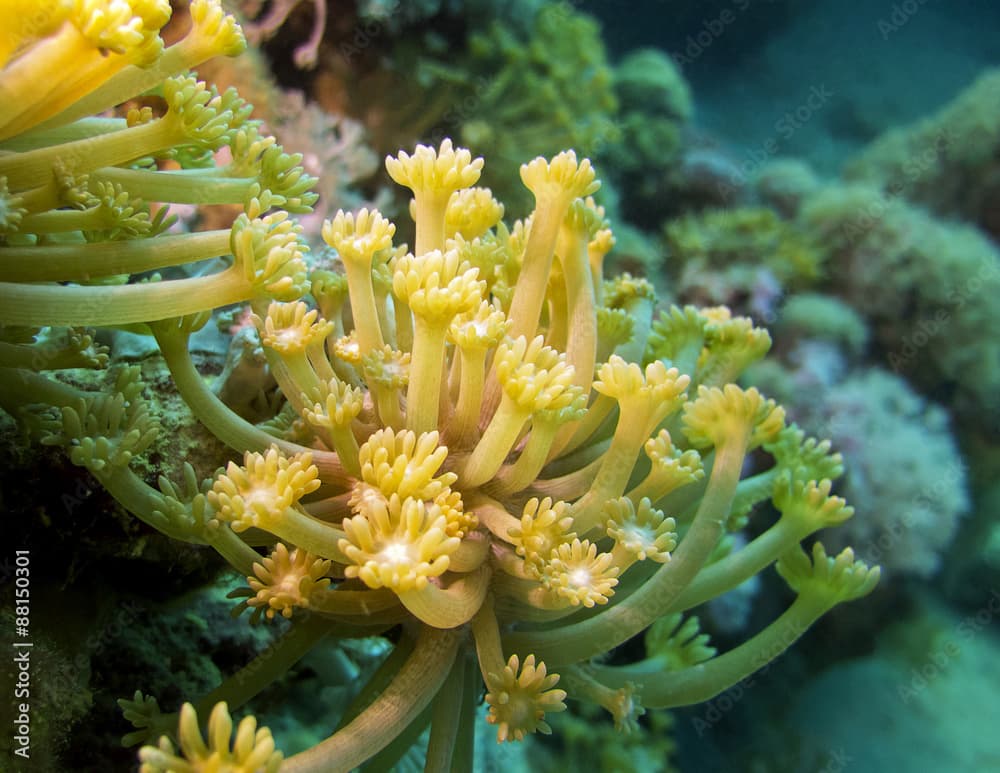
[437, 285]
[471, 213]
[577, 572]
[292, 327]
[86, 42]
[544, 525]
[503, 491]
[718, 414]
[357, 238]
[397, 543]
[252, 750]
[259, 491]
[433, 176]
[519, 698]
[641, 531]
[285, 580]
[435, 171]
[405, 463]
[563, 176]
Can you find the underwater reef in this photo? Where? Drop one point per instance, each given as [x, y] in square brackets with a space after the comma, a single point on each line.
[478, 464]
[432, 386]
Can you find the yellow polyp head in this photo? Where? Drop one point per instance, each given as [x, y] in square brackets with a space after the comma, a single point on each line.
[386, 367]
[334, 404]
[122, 26]
[437, 285]
[561, 177]
[471, 212]
[578, 573]
[520, 696]
[405, 464]
[358, 237]
[258, 492]
[290, 328]
[252, 750]
[653, 393]
[641, 530]
[480, 329]
[535, 376]
[717, 415]
[217, 32]
[397, 543]
[544, 525]
[285, 579]
[433, 172]
[348, 349]
[671, 463]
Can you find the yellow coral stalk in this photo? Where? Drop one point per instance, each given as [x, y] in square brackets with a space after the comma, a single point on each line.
[413, 688]
[97, 39]
[268, 262]
[805, 507]
[387, 373]
[474, 333]
[293, 337]
[644, 399]
[357, 238]
[545, 426]
[555, 185]
[535, 378]
[27, 21]
[821, 583]
[580, 224]
[213, 33]
[197, 115]
[451, 606]
[433, 176]
[437, 286]
[331, 408]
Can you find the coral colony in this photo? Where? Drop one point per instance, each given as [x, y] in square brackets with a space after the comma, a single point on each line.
[491, 455]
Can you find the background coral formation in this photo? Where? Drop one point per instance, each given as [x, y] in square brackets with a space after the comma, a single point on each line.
[323, 370]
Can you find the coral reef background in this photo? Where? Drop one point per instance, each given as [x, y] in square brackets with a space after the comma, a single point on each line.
[870, 130]
[830, 170]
